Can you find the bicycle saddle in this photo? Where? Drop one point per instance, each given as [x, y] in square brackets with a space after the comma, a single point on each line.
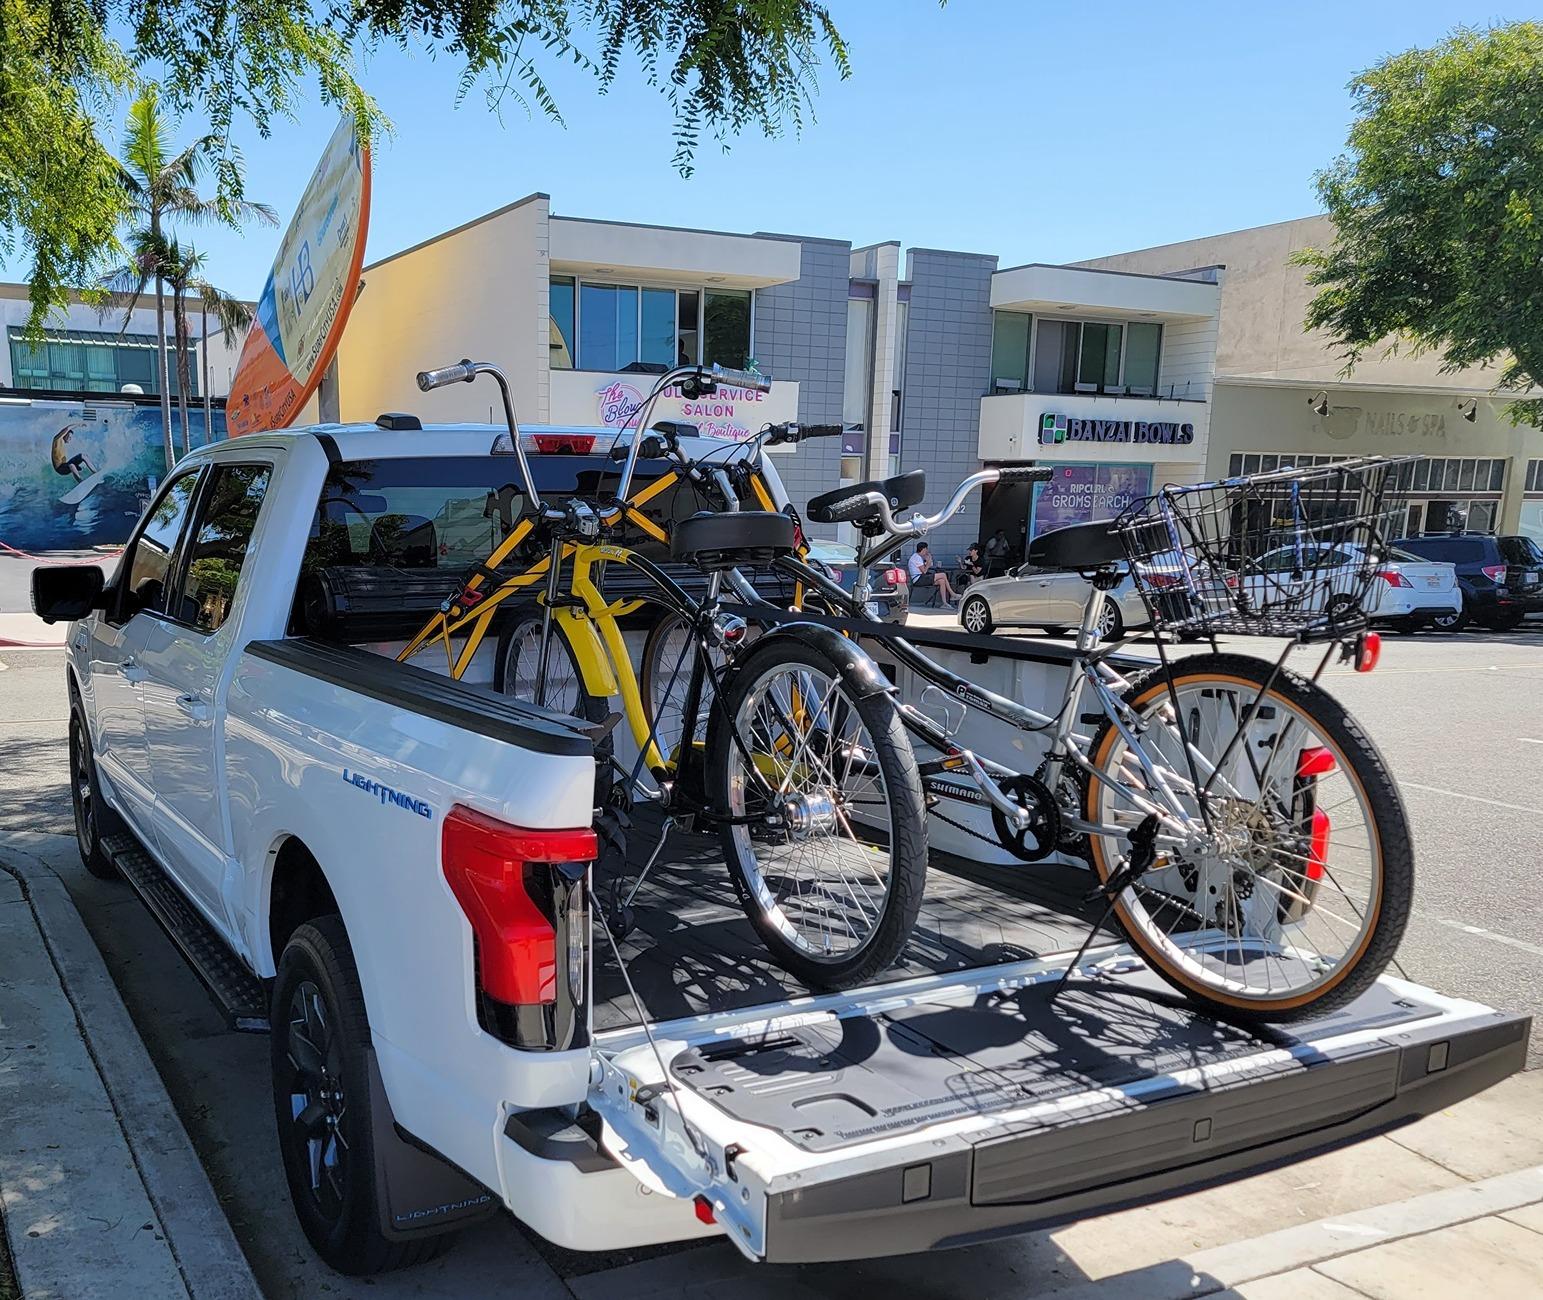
[844, 505]
[1077, 546]
[729, 541]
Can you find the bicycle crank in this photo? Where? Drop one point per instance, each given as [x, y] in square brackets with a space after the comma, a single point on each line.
[1038, 838]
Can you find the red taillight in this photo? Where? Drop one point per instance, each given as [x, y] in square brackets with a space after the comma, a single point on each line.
[895, 577]
[1318, 845]
[1494, 572]
[493, 871]
[1162, 581]
[704, 1209]
[1393, 577]
[561, 444]
[1317, 761]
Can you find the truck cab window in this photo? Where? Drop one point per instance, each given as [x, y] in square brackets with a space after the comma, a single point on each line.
[220, 544]
[149, 564]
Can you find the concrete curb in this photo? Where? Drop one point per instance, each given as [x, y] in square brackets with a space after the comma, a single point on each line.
[187, 1211]
[1223, 1267]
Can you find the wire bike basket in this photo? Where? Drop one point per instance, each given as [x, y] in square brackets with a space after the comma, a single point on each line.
[1288, 553]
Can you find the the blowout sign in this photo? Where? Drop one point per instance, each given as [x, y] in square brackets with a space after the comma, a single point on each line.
[731, 413]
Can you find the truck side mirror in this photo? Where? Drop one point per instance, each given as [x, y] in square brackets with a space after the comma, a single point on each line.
[65, 592]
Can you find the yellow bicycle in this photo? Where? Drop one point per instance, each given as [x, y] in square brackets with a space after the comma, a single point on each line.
[804, 769]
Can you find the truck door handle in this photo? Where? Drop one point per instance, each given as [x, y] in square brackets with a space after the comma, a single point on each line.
[194, 707]
[131, 671]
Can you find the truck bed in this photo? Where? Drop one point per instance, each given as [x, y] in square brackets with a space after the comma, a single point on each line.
[692, 952]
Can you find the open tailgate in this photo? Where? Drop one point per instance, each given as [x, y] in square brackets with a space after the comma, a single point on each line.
[955, 1108]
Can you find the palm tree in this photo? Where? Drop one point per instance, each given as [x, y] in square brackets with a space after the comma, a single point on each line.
[182, 269]
[163, 187]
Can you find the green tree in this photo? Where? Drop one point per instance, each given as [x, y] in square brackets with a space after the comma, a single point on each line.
[183, 267]
[1438, 210]
[722, 65]
[160, 186]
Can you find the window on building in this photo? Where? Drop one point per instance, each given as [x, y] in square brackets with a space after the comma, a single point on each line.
[728, 327]
[90, 361]
[623, 327]
[1071, 356]
[1143, 343]
[560, 294]
[608, 326]
[688, 330]
[1010, 333]
[857, 391]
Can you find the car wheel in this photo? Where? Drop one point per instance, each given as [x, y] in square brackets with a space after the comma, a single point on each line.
[91, 814]
[1452, 622]
[1111, 623]
[1504, 622]
[975, 615]
[322, 1104]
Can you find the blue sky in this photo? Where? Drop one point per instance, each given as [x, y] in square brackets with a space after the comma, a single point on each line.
[1036, 131]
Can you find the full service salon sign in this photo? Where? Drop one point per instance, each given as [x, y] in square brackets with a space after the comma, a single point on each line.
[731, 413]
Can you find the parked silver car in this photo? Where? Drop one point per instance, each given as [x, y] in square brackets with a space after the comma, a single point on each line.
[1048, 598]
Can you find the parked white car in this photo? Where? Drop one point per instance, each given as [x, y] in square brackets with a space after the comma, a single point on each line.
[1052, 599]
[1406, 591]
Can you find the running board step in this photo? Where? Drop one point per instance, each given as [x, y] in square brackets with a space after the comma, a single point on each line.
[236, 991]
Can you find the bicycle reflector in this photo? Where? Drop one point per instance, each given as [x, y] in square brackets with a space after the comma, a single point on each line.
[1368, 650]
[523, 892]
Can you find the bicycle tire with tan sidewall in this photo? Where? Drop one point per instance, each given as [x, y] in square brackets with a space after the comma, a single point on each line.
[1363, 763]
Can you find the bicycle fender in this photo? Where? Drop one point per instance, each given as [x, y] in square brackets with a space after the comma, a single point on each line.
[864, 676]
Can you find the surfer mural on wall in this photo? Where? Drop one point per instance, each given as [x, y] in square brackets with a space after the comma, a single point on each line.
[77, 473]
[309, 293]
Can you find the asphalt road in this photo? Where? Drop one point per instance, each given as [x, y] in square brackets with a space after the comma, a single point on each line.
[1460, 720]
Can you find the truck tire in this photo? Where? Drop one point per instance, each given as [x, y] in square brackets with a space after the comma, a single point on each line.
[93, 818]
[322, 1106]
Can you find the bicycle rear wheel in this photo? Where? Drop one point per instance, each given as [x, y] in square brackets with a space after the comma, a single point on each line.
[827, 837]
[1292, 889]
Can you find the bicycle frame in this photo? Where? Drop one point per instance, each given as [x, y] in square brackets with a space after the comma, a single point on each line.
[1087, 672]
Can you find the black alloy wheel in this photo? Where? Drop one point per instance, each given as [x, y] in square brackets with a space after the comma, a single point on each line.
[86, 803]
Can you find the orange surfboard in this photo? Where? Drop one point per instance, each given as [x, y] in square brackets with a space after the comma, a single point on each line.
[309, 293]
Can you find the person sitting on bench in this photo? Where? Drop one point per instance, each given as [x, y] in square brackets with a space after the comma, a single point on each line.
[924, 575]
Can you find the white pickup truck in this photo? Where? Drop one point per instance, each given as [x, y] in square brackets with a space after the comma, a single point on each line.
[394, 872]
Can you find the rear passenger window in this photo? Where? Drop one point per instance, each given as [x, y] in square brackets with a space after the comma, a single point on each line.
[219, 546]
[149, 566]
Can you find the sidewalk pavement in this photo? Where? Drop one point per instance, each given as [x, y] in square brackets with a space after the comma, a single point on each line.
[100, 1189]
[27, 629]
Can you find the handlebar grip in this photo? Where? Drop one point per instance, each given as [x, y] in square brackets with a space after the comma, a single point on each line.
[428, 380]
[820, 431]
[1025, 473]
[751, 379]
[859, 506]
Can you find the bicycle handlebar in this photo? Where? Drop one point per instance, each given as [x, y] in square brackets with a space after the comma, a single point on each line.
[463, 373]
[920, 525]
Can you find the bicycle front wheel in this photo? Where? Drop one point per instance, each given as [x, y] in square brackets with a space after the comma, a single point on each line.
[1285, 875]
[826, 828]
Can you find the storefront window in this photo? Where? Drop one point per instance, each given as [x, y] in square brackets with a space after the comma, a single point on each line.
[658, 344]
[608, 326]
[1010, 351]
[728, 328]
[91, 361]
[1098, 362]
[1143, 341]
[1079, 494]
[560, 300]
[637, 327]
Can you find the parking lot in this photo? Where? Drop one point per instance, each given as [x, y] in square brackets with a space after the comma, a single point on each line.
[1461, 721]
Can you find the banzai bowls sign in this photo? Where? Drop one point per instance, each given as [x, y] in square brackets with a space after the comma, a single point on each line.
[1055, 428]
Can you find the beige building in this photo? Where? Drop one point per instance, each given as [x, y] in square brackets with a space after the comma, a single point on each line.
[1280, 395]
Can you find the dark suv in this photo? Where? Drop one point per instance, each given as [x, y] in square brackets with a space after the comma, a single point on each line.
[1501, 577]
